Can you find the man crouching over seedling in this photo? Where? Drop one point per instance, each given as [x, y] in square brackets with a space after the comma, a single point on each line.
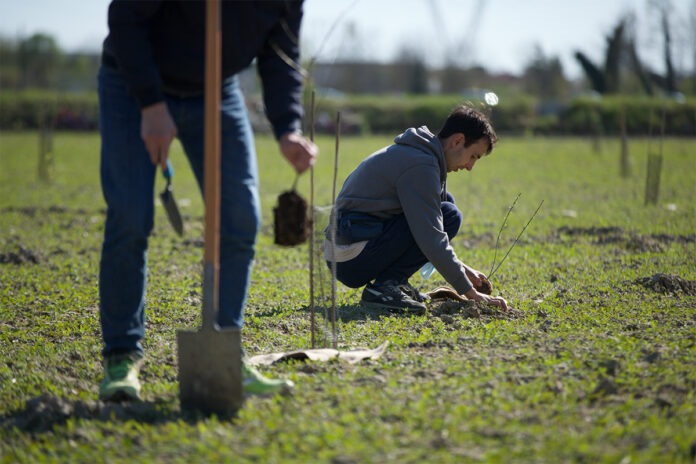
[394, 214]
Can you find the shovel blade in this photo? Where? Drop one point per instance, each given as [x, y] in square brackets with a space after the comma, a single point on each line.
[169, 203]
[210, 371]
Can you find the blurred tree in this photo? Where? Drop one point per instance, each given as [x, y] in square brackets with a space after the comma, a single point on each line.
[9, 70]
[543, 76]
[78, 72]
[39, 58]
[669, 81]
[608, 79]
[417, 73]
[692, 30]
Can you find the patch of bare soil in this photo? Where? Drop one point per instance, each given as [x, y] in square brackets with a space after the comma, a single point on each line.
[45, 411]
[668, 284]
[33, 211]
[594, 231]
[629, 240]
[20, 254]
[290, 220]
[470, 309]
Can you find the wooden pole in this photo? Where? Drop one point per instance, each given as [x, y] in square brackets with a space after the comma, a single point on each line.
[652, 178]
[332, 233]
[311, 227]
[46, 150]
[211, 162]
[625, 161]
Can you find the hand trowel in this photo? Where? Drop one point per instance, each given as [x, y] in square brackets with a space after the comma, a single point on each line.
[169, 203]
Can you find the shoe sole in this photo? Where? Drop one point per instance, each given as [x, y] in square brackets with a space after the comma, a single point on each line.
[394, 309]
[283, 390]
[121, 395]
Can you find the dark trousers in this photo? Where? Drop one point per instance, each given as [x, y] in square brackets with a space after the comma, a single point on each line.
[128, 179]
[394, 255]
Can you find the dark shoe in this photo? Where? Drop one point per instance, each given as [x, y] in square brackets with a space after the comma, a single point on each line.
[413, 293]
[120, 382]
[390, 297]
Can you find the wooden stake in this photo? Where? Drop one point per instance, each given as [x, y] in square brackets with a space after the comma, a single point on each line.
[652, 181]
[46, 151]
[625, 160]
[332, 233]
[311, 225]
[596, 131]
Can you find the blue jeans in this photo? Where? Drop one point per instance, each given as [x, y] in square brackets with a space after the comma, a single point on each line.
[394, 255]
[128, 177]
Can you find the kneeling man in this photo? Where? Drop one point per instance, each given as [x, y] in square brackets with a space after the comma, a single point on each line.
[394, 214]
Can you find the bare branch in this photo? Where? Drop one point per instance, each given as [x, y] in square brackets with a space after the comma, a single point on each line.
[515, 242]
[497, 240]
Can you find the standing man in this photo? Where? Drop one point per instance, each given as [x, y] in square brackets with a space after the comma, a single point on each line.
[150, 91]
[395, 214]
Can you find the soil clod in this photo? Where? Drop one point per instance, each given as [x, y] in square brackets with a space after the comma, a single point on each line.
[20, 255]
[631, 241]
[668, 284]
[44, 412]
[290, 222]
[471, 309]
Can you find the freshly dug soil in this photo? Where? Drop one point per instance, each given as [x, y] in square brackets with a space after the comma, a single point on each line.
[668, 284]
[447, 302]
[20, 255]
[485, 287]
[291, 224]
[43, 412]
[472, 309]
[631, 241]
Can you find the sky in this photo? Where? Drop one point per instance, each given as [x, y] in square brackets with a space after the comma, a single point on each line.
[500, 35]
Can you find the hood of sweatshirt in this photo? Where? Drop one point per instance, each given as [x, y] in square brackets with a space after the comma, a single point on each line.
[424, 140]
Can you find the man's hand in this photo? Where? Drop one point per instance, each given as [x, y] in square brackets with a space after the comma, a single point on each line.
[476, 277]
[299, 151]
[498, 301]
[157, 130]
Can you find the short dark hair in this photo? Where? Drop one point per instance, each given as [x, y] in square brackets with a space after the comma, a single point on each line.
[473, 124]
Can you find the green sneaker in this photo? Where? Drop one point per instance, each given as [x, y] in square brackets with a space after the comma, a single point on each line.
[120, 382]
[254, 383]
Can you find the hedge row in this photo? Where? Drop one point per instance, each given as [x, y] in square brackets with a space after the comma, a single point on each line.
[375, 114]
[37, 108]
[580, 116]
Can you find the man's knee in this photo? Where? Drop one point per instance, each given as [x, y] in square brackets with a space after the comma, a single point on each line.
[129, 226]
[452, 218]
[349, 278]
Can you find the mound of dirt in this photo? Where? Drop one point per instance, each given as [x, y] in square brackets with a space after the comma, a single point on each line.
[594, 231]
[472, 309]
[20, 255]
[631, 241]
[290, 221]
[643, 243]
[668, 284]
[45, 411]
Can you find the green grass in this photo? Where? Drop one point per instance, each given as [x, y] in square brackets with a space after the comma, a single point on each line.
[598, 369]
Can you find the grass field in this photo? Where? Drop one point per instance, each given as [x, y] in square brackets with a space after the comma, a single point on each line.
[596, 369]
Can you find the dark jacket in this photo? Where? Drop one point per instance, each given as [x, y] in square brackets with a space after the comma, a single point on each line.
[158, 46]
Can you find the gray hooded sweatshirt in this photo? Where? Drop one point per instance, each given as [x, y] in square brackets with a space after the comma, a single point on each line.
[408, 177]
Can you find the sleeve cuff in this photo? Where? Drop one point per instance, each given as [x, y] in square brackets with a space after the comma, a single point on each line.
[283, 127]
[149, 96]
[462, 285]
